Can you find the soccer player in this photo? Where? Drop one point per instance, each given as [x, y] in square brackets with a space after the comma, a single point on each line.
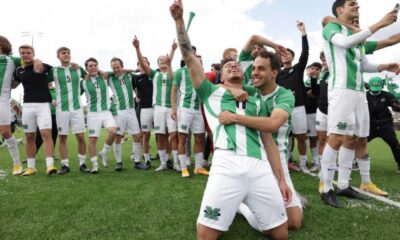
[347, 113]
[69, 111]
[126, 120]
[36, 109]
[162, 81]
[98, 105]
[239, 171]
[189, 118]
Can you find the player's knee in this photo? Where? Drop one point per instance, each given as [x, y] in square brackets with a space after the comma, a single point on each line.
[206, 233]
[112, 131]
[295, 223]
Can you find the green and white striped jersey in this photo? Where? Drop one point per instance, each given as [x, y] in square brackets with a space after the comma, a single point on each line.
[244, 141]
[8, 64]
[187, 95]
[96, 94]
[344, 64]
[246, 62]
[68, 89]
[161, 88]
[122, 91]
[370, 47]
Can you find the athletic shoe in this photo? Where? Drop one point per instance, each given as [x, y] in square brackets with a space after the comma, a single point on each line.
[83, 168]
[304, 202]
[201, 171]
[350, 193]
[157, 157]
[185, 173]
[141, 166]
[51, 170]
[170, 164]
[25, 161]
[94, 170]
[372, 188]
[148, 163]
[104, 159]
[330, 199]
[304, 169]
[355, 166]
[118, 168]
[17, 170]
[177, 167]
[315, 168]
[162, 167]
[293, 167]
[321, 187]
[29, 172]
[64, 169]
[206, 163]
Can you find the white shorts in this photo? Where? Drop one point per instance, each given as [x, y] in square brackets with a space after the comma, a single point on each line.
[348, 113]
[36, 115]
[190, 120]
[5, 113]
[311, 121]
[126, 120]
[295, 199]
[163, 119]
[234, 179]
[95, 120]
[299, 120]
[146, 119]
[321, 121]
[73, 120]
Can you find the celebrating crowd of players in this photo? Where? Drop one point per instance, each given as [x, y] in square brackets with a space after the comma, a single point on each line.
[257, 103]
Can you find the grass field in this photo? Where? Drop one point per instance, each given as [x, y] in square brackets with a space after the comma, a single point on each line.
[137, 204]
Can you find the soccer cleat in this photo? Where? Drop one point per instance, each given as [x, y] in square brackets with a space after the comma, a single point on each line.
[83, 168]
[64, 169]
[177, 167]
[162, 167]
[148, 163]
[51, 170]
[330, 199]
[304, 169]
[321, 187]
[94, 170]
[139, 165]
[293, 167]
[17, 170]
[372, 188]
[185, 173]
[201, 171]
[104, 159]
[314, 168]
[170, 164]
[350, 193]
[206, 163]
[157, 157]
[118, 168]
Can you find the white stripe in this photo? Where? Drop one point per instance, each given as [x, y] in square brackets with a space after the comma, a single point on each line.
[241, 147]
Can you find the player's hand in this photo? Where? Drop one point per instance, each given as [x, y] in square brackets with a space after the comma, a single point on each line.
[239, 94]
[75, 66]
[103, 74]
[285, 191]
[389, 18]
[137, 100]
[38, 66]
[176, 10]
[135, 42]
[226, 118]
[281, 51]
[173, 114]
[301, 27]
[174, 45]
[168, 60]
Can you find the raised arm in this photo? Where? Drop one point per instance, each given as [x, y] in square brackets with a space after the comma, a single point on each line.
[195, 68]
[173, 48]
[390, 41]
[304, 47]
[142, 62]
[262, 41]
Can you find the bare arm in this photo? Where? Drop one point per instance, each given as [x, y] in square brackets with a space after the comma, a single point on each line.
[195, 69]
[173, 48]
[174, 91]
[390, 41]
[142, 62]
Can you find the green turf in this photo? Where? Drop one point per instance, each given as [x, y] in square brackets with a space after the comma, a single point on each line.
[137, 204]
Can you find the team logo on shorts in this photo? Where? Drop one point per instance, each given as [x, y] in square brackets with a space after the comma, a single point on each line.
[317, 123]
[144, 126]
[91, 131]
[184, 127]
[60, 129]
[25, 126]
[341, 125]
[212, 213]
[156, 127]
[118, 128]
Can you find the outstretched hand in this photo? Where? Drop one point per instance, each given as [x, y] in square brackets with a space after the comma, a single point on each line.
[174, 45]
[301, 27]
[176, 9]
[135, 42]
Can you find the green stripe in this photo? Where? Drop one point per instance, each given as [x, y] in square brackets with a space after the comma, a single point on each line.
[118, 83]
[75, 89]
[129, 91]
[159, 89]
[91, 88]
[332, 48]
[252, 136]
[103, 93]
[351, 69]
[63, 89]
[3, 68]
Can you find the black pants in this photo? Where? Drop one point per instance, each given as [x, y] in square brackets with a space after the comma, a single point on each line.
[54, 134]
[387, 133]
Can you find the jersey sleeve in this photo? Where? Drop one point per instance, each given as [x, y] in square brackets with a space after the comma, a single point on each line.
[285, 102]
[370, 47]
[330, 29]
[152, 73]
[250, 90]
[82, 89]
[205, 90]
[177, 78]
[263, 109]
[16, 60]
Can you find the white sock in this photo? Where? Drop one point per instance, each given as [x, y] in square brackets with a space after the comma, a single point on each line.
[137, 148]
[175, 156]
[49, 161]
[162, 153]
[106, 148]
[13, 149]
[198, 159]
[250, 217]
[65, 162]
[94, 162]
[328, 166]
[188, 162]
[346, 157]
[82, 159]
[182, 160]
[31, 162]
[146, 157]
[315, 156]
[117, 152]
[303, 160]
[364, 164]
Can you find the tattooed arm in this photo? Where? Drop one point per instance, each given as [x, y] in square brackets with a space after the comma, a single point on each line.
[195, 68]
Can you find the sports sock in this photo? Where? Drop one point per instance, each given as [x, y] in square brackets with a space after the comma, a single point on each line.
[49, 161]
[182, 160]
[162, 154]
[175, 156]
[346, 157]
[106, 148]
[328, 166]
[31, 162]
[117, 152]
[82, 159]
[65, 162]
[198, 159]
[137, 148]
[364, 164]
[146, 157]
[314, 156]
[94, 162]
[303, 160]
[13, 149]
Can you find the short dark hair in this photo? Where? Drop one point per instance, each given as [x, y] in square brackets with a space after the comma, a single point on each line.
[336, 4]
[91, 60]
[225, 61]
[216, 66]
[273, 59]
[5, 45]
[115, 59]
[321, 55]
[316, 64]
[62, 49]
[291, 51]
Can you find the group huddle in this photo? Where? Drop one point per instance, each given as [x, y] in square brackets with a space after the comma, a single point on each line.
[251, 107]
